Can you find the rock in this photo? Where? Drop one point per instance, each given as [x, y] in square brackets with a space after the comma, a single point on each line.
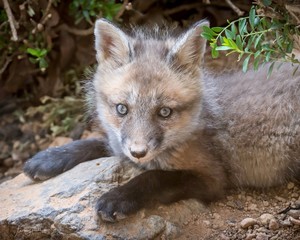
[262, 236]
[265, 218]
[273, 224]
[252, 207]
[266, 203]
[290, 185]
[248, 222]
[294, 221]
[63, 207]
[8, 162]
[294, 213]
[250, 236]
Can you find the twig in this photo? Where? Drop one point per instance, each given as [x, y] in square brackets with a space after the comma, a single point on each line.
[122, 10]
[181, 8]
[8, 60]
[45, 15]
[235, 8]
[45, 18]
[78, 32]
[11, 20]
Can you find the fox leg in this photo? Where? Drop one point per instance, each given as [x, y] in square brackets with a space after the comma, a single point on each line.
[55, 160]
[156, 186]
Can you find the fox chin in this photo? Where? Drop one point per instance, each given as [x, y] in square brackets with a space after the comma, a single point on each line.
[195, 133]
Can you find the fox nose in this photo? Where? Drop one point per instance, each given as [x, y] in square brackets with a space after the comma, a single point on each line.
[138, 153]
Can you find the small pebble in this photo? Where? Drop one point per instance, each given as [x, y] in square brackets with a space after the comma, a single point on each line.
[294, 213]
[286, 223]
[294, 221]
[252, 207]
[248, 222]
[273, 225]
[262, 236]
[250, 236]
[266, 203]
[9, 162]
[290, 185]
[280, 199]
[265, 218]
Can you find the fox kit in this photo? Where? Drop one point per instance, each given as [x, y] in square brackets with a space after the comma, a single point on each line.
[194, 134]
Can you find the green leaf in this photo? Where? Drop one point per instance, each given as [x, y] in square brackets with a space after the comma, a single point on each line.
[252, 17]
[232, 44]
[239, 42]
[209, 31]
[206, 35]
[268, 56]
[256, 54]
[295, 70]
[242, 26]
[270, 70]
[289, 47]
[245, 63]
[256, 62]
[257, 40]
[217, 29]
[267, 2]
[233, 29]
[43, 52]
[223, 48]
[43, 63]
[33, 60]
[229, 34]
[214, 53]
[33, 52]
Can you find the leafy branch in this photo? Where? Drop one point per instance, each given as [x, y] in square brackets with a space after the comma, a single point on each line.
[255, 38]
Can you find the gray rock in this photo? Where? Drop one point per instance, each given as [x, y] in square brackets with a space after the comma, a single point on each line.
[265, 218]
[248, 222]
[63, 207]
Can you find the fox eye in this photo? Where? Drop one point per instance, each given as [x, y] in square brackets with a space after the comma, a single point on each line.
[122, 109]
[165, 112]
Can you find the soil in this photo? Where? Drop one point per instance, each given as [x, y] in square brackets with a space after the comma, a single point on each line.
[242, 214]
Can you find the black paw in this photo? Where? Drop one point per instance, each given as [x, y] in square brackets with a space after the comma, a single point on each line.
[46, 164]
[117, 204]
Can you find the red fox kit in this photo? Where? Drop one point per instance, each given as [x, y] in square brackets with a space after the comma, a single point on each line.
[194, 134]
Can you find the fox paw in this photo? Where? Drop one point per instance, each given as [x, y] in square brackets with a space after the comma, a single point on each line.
[46, 164]
[116, 205]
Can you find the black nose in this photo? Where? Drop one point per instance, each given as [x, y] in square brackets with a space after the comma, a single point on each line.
[138, 154]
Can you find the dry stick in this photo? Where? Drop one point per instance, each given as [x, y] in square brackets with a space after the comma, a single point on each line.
[8, 60]
[235, 8]
[11, 20]
[45, 15]
[123, 8]
[78, 32]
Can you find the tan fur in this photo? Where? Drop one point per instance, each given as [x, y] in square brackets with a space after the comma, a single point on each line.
[236, 128]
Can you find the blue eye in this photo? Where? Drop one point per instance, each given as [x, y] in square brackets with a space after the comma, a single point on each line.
[165, 112]
[122, 109]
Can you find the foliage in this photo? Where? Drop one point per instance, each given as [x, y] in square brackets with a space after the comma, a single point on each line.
[38, 56]
[59, 114]
[89, 10]
[40, 59]
[256, 38]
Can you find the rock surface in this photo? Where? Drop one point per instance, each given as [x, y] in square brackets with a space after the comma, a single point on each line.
[63, 207]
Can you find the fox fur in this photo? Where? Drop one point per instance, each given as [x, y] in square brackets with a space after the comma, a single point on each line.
[194, 132]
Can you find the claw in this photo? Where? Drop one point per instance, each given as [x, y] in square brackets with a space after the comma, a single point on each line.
[105, 217]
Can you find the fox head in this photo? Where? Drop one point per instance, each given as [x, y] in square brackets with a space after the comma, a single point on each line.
[148, 89]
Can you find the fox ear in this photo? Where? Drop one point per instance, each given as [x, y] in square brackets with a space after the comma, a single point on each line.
[188, 51]
[111, 44]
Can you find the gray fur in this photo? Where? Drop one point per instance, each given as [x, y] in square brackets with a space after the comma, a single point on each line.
[240, 129]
